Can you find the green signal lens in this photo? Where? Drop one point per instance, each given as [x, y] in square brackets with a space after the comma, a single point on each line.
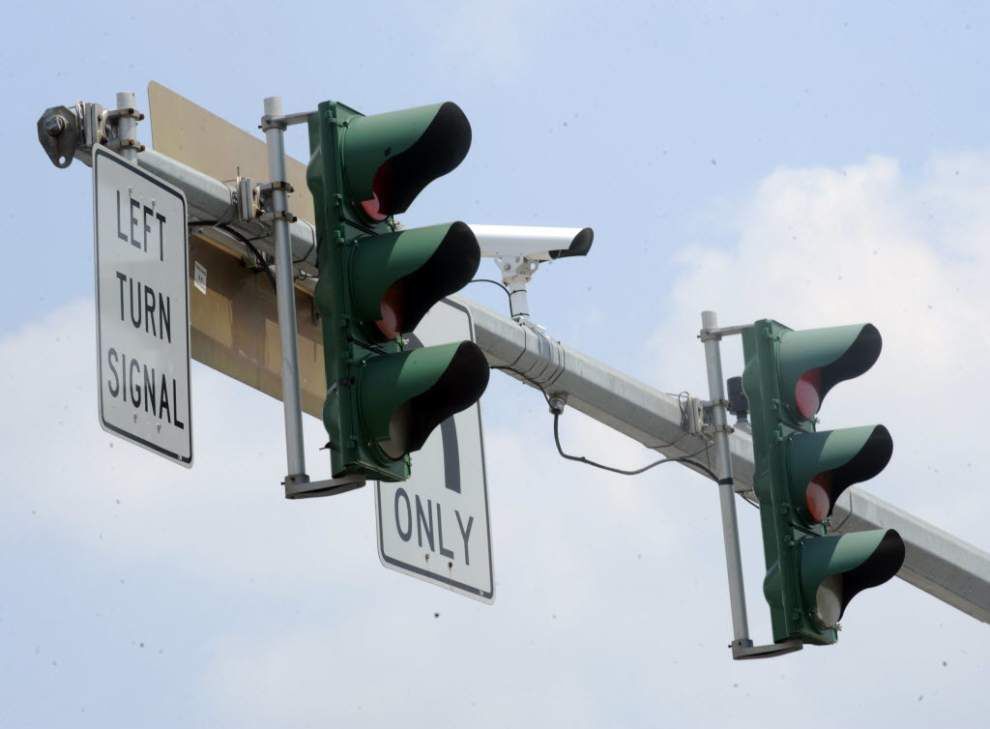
[399, 430]
[828, 601]
[837, 568]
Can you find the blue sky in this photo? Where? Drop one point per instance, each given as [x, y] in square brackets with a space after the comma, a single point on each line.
[819, 164]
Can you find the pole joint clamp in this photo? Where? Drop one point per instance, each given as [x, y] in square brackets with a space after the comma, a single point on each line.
[274, 215]
[286, 120]
[276, 186]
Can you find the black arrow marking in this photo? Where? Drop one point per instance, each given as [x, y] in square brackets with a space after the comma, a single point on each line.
[448, 437]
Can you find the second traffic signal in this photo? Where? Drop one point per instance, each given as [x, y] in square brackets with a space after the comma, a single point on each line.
[377, 281]
[801, 472]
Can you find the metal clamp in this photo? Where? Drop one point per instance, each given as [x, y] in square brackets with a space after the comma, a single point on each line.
[700, 417]
[123, 122]
[273, 215]
[266, 191]
[284, 120]
[119, 145]
[716, 334]
[248, 205]
[300, 487]
[745, 650]
[541, 362]
[517, 271]
[128, 112]
[282, 185]
[59, 132]
[556, 401]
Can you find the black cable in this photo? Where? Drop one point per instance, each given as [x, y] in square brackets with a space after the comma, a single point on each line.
[257, 254]
[528, 380]
[307, 254]
[220, 225]
[371, 347]
[581, 459]
[493, 281]
[754, 504]
[704, 469]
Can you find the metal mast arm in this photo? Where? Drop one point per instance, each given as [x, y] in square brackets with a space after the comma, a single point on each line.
[937, 563]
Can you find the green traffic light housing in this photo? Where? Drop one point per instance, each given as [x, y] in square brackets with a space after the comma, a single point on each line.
[389, 158]
[814, 361]
[824, 464]
[834, 569]
[398, 276]
[406, 396]
[800, 474]
[377, 282]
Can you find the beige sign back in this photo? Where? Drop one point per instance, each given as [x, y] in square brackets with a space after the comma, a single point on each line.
[194, 136]
[233, 314]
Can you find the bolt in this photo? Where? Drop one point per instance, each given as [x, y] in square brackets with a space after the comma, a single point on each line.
[54, 125]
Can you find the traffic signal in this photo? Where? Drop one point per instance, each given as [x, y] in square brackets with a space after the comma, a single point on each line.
[800, 473]
[377, 281]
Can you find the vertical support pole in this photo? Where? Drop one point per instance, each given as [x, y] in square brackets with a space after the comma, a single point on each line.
[516, 273]
[127, 125]
[723, 467]
[518, 301]
[286, 298]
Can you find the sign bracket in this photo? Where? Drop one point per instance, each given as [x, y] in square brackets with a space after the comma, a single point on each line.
[297, 483]
[742, 646]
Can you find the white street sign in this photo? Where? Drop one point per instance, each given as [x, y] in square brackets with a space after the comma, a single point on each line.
[142, 307]
[435, 525]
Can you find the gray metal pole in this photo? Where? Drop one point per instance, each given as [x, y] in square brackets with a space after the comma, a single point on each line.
[127, 125]
[518, 302]
[726, 495]
[286, 299]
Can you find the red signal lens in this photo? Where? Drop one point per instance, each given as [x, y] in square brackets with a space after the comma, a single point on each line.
[372, 208]
[377, 208]
[390, 325]
[817, 497]
[807, 391]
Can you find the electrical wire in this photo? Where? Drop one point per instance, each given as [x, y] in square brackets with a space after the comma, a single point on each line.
[682, 398]
[752, 503]
[523, 377]
[496, 283]
[370, 346]
[308, 253]
[233, 233]
[588, 462]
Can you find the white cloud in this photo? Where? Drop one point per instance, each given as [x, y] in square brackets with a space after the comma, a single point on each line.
[610, 592]
[225, 517]
[479, 39]
[821, 247]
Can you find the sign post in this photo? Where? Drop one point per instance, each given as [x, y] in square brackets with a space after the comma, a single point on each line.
[142, 307]
[435, 524]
